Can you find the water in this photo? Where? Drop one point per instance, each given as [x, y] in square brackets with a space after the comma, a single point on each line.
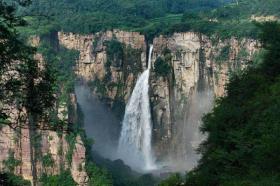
[136, 134]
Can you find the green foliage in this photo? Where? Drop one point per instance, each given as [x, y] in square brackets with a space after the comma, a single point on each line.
[62, 62]
[173, 180]
[97, 15]
[243, 129]
[47, 160]
[11, 163]
[98, 176]
[224, 18]
[115, 53]
[224, 54]
[243, 54]
[122, 175]
[162, 68]
[71, 140]
[63, 179]
[35, 97]
[10, 179]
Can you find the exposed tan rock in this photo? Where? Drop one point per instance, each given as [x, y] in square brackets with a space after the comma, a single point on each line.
[78, 163]
[264, 18]
[16, 138]
[193, 55]
[93, 57]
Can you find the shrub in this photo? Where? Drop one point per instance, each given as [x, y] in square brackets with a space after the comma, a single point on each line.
[64, 179]
[11, 163]
[47, 160]
[13, 180]
[162, 68]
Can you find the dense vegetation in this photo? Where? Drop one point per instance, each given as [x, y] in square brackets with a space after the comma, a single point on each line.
[123, 175]
[224, 18]
[162, 65]
[12, 180]
[244, 127]
[94, 15]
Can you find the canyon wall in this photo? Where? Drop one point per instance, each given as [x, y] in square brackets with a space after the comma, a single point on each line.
[199, 70]
[109, 62]
[52, 150]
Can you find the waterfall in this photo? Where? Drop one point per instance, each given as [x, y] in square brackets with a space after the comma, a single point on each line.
[135, 140]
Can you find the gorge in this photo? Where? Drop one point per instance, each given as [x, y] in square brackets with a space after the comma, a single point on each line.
[142, 93]
[199, 70]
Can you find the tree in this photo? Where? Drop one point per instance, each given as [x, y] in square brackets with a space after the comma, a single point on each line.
[24, 86]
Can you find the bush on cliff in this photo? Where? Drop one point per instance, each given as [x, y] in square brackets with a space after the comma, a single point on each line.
[162, 68]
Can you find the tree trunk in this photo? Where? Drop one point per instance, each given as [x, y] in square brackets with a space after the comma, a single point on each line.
[32, 134]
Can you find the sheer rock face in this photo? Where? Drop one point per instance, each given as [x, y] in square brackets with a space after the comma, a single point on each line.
[15, 139]
[91, 65]
[194, 57]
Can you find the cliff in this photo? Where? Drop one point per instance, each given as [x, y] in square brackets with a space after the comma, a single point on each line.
[52, 149]
[199, 70]
[109, 62]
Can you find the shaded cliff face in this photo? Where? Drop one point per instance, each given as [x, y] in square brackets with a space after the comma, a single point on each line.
[200, 69]
[52, 150]
[50, 145]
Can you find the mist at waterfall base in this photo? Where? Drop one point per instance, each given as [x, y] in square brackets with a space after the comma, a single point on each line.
[131, 142]
[99, 122]
[188, 136]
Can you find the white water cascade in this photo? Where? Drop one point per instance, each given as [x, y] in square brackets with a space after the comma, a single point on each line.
[135, 140]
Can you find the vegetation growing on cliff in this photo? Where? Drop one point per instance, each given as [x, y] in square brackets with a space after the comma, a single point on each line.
[23, 83]
[63, 61]
[10, 179]
[124, 61]
[243, 129]
[63, 179]
[11, 163]
[162, 65]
